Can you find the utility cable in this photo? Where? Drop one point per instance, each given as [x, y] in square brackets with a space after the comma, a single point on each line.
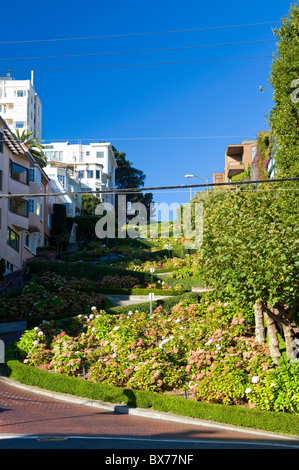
[168, 49]
[60, 69]
[123, 191]
[138, 34]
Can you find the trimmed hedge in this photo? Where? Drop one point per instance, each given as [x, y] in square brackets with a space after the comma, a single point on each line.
[83, 270]
[140, 291]
[166, 303]
[282, 423]
[65, 318]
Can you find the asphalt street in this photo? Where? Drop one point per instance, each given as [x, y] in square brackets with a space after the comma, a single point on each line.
[32, 418]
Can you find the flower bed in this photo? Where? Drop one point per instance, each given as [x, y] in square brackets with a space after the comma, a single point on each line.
[163, 264]
[206, 348]
[50, 295]
[128, 284]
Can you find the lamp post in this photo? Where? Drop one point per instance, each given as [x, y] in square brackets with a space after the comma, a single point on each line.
[195, 176]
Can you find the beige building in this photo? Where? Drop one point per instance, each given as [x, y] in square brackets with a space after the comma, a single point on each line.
[25, 222]
[238, 158]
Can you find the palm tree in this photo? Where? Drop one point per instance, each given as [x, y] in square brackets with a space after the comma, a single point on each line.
[34, 146]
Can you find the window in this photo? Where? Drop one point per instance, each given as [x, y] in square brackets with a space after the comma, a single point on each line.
[27, 240]
[98, 174]
[89, 173]
[41, 208]
[100, 154]
[87, 153]
[18, 173]
[19, 124]
[49, 221]
[1, 142]
[31, 206]
[81, 174]
[20, 93]
[38, 178]
[31, 175]
[1, 180]
[69, 207]
[61, 179]
[18, 206]
[33, 244]
[13, 239]
[9, 266]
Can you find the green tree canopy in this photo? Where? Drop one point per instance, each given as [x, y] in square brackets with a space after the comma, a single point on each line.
[250, 251]
[284, 117]
[89, 203]
[127, 176]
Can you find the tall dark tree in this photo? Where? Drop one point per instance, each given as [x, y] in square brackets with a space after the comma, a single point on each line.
[127, 176]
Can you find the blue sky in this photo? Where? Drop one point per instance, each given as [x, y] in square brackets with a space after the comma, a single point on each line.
[219, 103]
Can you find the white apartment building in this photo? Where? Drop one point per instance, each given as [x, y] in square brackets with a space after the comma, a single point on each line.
[20, 105]
[93, 165]
[62, 181]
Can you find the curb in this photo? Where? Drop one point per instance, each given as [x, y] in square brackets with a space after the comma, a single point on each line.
[125, 409]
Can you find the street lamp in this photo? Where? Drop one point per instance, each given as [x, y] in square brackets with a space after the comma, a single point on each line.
[195, 176]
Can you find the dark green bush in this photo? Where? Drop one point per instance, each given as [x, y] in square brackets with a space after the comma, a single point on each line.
[83, 270]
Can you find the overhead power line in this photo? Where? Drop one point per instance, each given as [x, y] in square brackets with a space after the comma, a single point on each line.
[123, 191]
[168, 49]
[109, 139]
[55, 69]
[138, 34]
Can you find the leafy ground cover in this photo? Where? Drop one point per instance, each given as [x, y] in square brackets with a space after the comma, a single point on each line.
[53, 294]
[50, 294]
[207, 347]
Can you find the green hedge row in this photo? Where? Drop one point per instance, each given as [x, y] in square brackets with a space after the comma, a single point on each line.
[166, 303]
[140, 291]
[83, 270]
[66, 319]
[282, 423]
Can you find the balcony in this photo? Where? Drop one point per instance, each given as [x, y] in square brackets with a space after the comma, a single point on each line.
[235, 168]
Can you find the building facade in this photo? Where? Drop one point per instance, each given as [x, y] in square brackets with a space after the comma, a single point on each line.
[93, 165]
[63, 181]
[25, 217]
[20, 105]
[238, 158]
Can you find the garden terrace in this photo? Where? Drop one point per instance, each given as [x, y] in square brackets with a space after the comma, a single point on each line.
[207, 347]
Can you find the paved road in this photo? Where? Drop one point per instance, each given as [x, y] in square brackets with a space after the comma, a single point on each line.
[31, 420]
[49, 422]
